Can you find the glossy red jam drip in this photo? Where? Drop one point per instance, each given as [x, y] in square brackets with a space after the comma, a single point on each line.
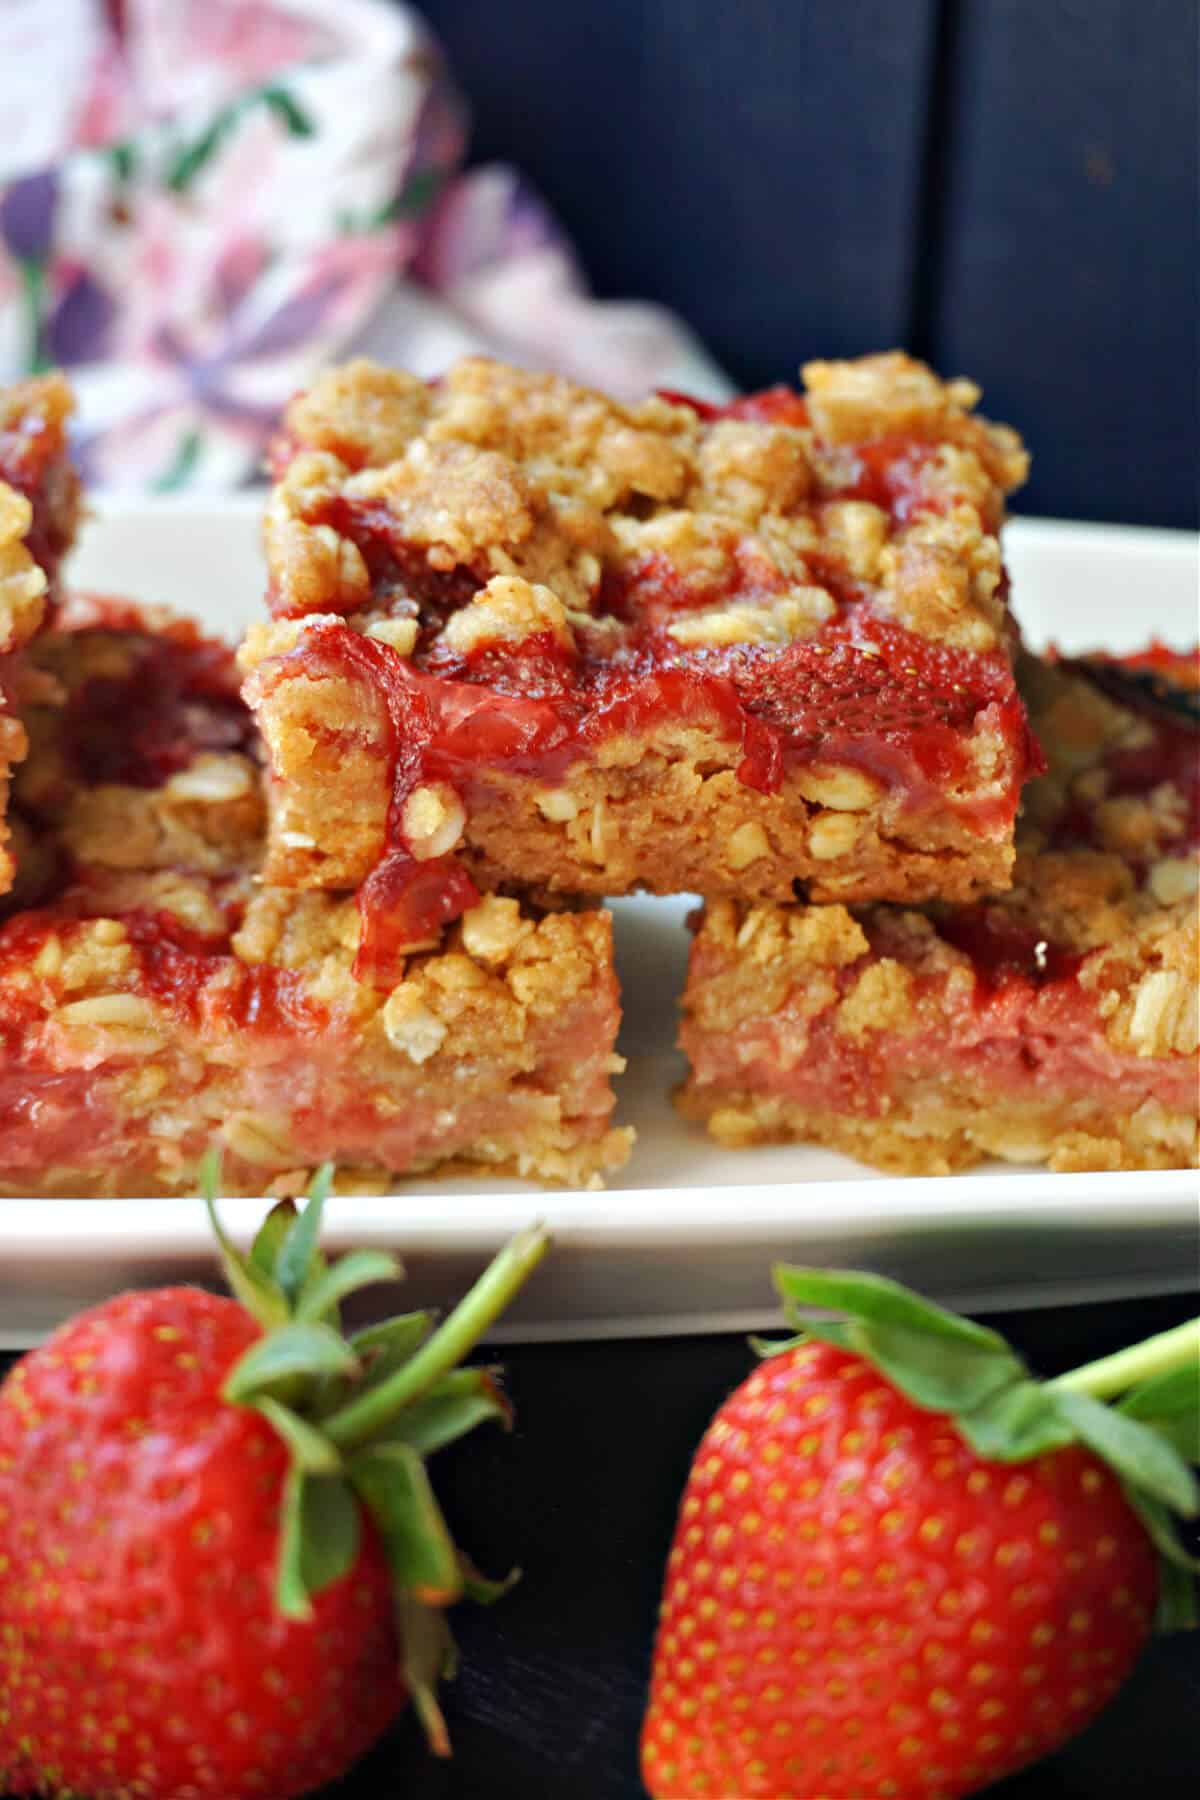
[403, 901]
[1005, 951]
[403, 905]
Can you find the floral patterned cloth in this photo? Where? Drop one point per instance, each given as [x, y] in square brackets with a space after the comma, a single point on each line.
[203, 201]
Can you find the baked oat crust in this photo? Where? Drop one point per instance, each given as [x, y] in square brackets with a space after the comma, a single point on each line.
[649, 645]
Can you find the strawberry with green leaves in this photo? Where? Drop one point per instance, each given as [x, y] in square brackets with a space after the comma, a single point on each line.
[904, 1567]
[223, 1571]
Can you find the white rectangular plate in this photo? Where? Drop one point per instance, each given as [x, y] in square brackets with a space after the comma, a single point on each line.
[684, 1238]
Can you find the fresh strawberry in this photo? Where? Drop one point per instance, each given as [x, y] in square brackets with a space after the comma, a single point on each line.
[222, 1568]
[903, 1567]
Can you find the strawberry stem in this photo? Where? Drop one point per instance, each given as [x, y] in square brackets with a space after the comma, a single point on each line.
[362, 1418]
[1115, 1374]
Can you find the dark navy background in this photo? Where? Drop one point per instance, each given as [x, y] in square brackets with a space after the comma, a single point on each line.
[1008, 187]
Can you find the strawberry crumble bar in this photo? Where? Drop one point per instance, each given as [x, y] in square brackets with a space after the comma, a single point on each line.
[160, 998]
[39, 506]
[523, 634]
[144, 1017]
[1055, 1023]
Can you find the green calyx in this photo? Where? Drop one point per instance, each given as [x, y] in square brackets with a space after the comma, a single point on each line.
[947, 1364]
[360, 1414]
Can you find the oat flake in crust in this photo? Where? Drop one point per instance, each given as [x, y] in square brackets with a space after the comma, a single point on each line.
[1055, 1023]
[659, 645]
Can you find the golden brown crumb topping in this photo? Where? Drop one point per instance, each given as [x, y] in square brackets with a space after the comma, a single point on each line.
[883, 479]
[88, 970]
[892, 395]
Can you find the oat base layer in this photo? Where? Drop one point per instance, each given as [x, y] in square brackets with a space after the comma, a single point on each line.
[924, 1132]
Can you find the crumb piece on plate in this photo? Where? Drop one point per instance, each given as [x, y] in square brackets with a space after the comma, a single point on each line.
[1055, 1023]
[663, 646]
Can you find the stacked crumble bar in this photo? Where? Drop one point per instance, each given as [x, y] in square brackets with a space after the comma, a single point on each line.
[156, 995]
[523, 634]
[39, 506]
[1055, 1022]
[161, 999]
[526, 638]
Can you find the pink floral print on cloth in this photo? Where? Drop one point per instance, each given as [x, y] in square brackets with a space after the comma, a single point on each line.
[203, 201]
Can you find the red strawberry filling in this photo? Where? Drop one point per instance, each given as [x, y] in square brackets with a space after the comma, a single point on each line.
[176, 697]
[890, 703]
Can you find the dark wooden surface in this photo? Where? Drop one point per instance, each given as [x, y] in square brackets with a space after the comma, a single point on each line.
[583, 1497]
[1006, 186]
